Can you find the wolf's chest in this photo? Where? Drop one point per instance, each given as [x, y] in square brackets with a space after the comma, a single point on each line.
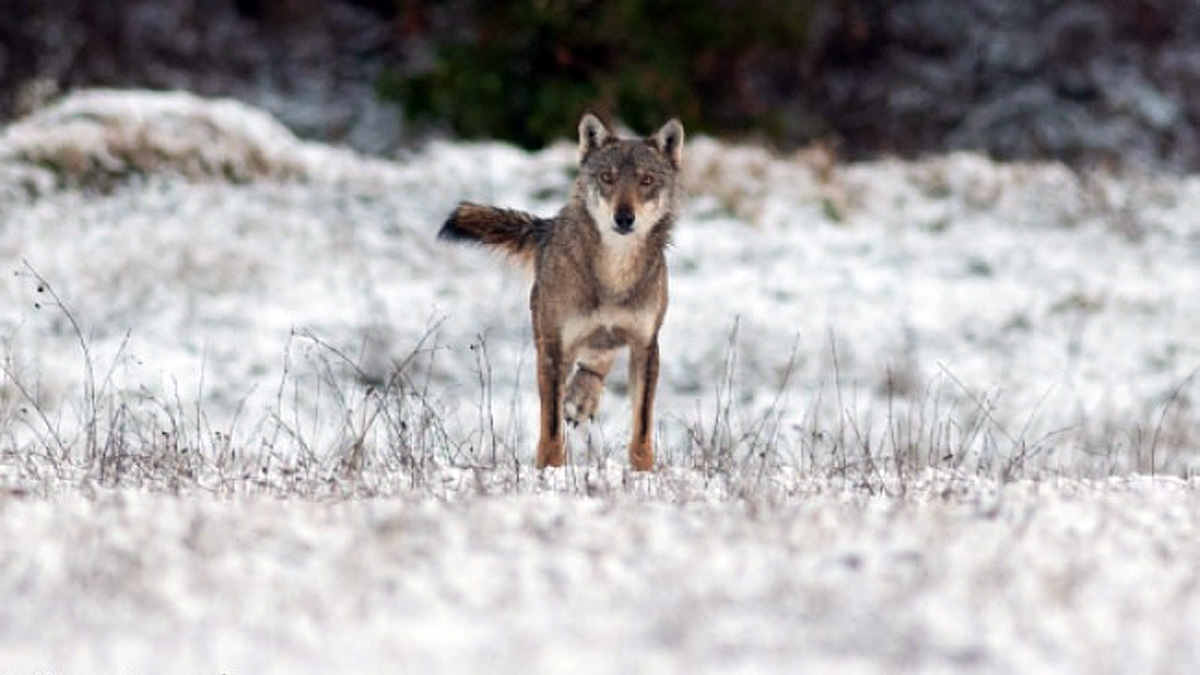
[609, 327]
[620, 263]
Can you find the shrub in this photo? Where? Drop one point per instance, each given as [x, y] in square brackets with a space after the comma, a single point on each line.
[526, 67]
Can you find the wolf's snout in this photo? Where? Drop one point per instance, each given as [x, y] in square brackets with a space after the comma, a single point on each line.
[624, 219]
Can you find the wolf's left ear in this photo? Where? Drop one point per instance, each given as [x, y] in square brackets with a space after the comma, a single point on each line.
[592, 134]
[669, 141]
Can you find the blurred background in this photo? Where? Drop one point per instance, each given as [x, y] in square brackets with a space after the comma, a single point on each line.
[1107, 82]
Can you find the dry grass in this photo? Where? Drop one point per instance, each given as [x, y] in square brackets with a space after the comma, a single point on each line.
[99, 138]
[385, 432]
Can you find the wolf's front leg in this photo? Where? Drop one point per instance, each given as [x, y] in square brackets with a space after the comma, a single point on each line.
[550, 386]
[586, 385]
[643, 380]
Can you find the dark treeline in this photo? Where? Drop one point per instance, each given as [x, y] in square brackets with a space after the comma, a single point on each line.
[1111, 81]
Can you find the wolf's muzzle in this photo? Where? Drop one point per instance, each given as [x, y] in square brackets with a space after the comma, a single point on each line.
[623, 220]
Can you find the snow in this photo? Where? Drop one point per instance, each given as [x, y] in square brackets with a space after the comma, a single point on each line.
[904, 412]
[958, 574]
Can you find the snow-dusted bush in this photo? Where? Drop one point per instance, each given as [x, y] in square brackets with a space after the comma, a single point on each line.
[95, 137]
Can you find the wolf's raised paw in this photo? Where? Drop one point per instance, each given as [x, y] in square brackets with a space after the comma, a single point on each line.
[583, 397]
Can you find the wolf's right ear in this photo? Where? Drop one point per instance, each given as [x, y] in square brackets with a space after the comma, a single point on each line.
[592, 134]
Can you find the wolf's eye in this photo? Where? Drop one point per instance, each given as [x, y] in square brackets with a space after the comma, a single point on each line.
[646, 180]
[606, 177]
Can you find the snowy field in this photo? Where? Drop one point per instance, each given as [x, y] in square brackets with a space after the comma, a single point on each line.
[958, 575]
[930, 416]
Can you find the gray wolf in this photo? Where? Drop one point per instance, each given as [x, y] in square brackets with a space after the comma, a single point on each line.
[600, 277]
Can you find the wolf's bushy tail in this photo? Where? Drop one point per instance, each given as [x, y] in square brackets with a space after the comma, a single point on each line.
[514, 232]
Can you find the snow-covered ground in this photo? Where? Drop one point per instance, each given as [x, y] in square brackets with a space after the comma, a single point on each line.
[959, 575]
[255, 418]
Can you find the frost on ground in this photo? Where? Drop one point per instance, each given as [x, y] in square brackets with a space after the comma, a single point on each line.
[253, 416]
[956, 575]
[211, 261]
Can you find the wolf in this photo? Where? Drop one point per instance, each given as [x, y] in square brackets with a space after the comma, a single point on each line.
[600, 277]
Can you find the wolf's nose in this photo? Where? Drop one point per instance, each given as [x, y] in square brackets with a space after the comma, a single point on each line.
[624, 220]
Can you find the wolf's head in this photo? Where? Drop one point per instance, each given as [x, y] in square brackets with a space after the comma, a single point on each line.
[628, 185]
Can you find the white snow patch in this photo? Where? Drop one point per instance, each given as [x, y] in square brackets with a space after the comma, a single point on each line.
[958, 575]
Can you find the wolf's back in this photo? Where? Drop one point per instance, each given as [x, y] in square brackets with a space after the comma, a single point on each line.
[514, 232]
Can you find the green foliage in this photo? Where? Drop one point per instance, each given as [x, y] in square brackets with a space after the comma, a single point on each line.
[529, 69]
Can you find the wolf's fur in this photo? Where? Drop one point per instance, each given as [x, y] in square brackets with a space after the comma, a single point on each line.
[515, 232]
[600, 277]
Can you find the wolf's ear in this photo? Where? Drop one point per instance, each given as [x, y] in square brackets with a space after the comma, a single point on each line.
[592, 134]
[669, 141]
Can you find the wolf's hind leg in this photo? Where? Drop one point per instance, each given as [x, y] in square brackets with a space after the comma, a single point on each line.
[587, 384]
